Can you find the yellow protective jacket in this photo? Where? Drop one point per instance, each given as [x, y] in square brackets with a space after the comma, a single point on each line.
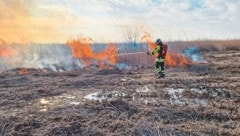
[158, 50]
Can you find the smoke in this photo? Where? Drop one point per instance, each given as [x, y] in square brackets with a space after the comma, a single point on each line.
[123, 66]
[76, 55]
[56, 57]
[193, 53]
[71, 56]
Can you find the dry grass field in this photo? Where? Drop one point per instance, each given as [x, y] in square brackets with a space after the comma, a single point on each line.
[200, 98]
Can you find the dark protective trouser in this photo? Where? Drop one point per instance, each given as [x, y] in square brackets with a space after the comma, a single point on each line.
[160, 66]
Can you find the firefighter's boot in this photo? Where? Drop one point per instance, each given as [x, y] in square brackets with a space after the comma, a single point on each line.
[161, 76]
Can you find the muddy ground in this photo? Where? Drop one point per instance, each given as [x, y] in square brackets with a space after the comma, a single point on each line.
[199, 99]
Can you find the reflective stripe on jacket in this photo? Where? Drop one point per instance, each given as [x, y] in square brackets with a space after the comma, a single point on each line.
[157, 50]
[160, 59]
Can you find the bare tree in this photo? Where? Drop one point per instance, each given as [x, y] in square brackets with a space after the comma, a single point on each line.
[132, 34]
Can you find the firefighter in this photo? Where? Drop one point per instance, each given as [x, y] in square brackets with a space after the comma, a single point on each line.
[161, 49]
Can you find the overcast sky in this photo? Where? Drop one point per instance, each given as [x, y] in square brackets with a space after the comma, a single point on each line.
[106, 20]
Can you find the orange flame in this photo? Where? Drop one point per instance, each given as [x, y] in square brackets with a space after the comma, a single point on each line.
[172, 58]
[148, 38]
[82, 49]
[176, 59]
[107, 55]
[5, 52]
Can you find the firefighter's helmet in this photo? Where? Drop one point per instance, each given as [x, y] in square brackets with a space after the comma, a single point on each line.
[159, 42]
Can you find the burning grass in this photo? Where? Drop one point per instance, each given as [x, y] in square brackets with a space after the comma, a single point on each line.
[82, 49]
[173, 59]
[82, 54]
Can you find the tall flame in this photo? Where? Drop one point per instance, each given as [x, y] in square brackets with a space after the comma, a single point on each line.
[148, 38]
[82, 50]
